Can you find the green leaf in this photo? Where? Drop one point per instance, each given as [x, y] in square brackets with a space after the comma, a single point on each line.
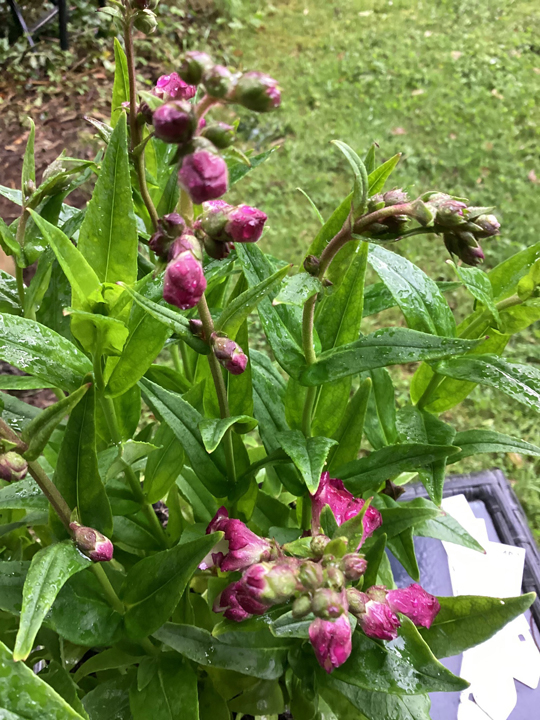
[38, 432]
[308, 454]
[110, 699]
[238, 169]
[213, 429]
[33, 697]
[237, 311]
[184, 421]
[132, 450]
[264, 698]
[108, 236]
[374, 705]
[443, 527]
[9, 297]
[49, 570]
[505, 277]
[417, 295]
[477, 283]
[80, 273]
[390, 346]
[468, 620]
[380, 421]
[374, 557]
[163, 465]
[297, 290]
[110, 659]
[315, 208]
[369, 472]
[267, 663]
[331, 227]
[154, 585]
[377, 297]
[37, 350]
[473, 442]
[361, 181]
[400, 518]
[349, 434]
[23, 495]
[170, 694]
[61, 680]
[403, 666]
[23, 382]
[77, 474]
[380, 175]
[41, 280]
[29, 165]
[521, 382]
[120, 93]
[202, 502]
[98, 331]
[276, 321]
[12, 575]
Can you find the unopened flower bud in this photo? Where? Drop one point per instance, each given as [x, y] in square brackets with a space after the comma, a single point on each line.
[229, 354]
[220, 134]
[214, 218]
[488, 224]
[267, 583]
[464, 245]
[357, 601]
[395, 197]
[318, 544]
[204, 176]
[257, 92]
[92, 543]
[328, 603]
[414, 602]
[311, 265]
[353, 566]
[194, 65]
[377, 593]
[184, 282]
[216, 249]
[301, 606]
[145, 21]
[331, 641]
[311, 575]
[450, 213]
[245, 224]
[376, 202]
[144, 114]
[170, 227]
[196, 327]
[13, 467]
[173, 87]
[174, 122]
[218, 81]
[378, 621]
[334, 577]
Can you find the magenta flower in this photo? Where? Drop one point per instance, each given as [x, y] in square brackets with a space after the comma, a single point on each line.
[184, 282]
[378, 621]
[244, 547]
[92, 543]
[331, 641]
[414, 602]
[227, 603]
[204, 176]
[344, 505]
[174, 122]
[172, 87]
[245, 224]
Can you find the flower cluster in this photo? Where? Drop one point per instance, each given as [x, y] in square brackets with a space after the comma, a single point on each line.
[316, 587]
[221, 225]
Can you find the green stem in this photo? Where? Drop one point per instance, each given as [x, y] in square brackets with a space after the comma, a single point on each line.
[185, 361]
[110, 593]
[175, 355]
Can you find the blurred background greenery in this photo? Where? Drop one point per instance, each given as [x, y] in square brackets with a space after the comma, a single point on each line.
[452, 84]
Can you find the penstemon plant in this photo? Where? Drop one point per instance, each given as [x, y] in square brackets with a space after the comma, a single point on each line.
[220, 551]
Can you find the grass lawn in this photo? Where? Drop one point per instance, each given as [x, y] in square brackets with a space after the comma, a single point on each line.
[452, 84]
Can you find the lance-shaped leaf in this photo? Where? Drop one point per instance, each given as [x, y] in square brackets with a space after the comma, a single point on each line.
[417, 295]
[29, 165]
[163, 465]
[473, 442]
[468, 620]
[521, 382]
[347, 701]
[349, 434]
[120, 93]
[402, 666]
[49, 570]
[23, 382]
[213, 430]
[9, 297]
[361, 182]
[238, 654]
[298, 289]
[154, 585]
[98, 331]
[77, 475]
[368, 473]
[331, 227]
[33, 697]
[380, 422]
[108, 236]
[184, 421]
[239, 169]
[443, 527]
[377, 297]
[401, 517]
[374, 555]
[23, 495]
[378, 177]
[37, 433]
[477, 283]
[237, 311]
[171, 692]
[390, 346]
[308, 454]
[37, 350]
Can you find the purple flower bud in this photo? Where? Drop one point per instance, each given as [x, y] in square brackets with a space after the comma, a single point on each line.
[376, 202]
[414, 602]
[220, 134]
[13, 467]
[193, 66]
[170, 227]
[268, 583]
[227, 603]
[464, 245]
[184, 282]
[331, 641]
[204, 176]
[145, 21]
[257, 92]
[214, 219]
[450, 213]
[311, 265]
[343, 504]
[357, 601]
[217, 250]
[489, 224]
[301, 606]
[92, 543]
[378, 621]
[377, 593]
[354, 566]
[144, 113]
[311, 575]
[244, 547]
[333, 576]
[229, 354]
[245, 224]
[218, 81]
[318, 544]
[172, 87]
[328, 603]
[174, 122]
[196, 327]
[395, 197]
